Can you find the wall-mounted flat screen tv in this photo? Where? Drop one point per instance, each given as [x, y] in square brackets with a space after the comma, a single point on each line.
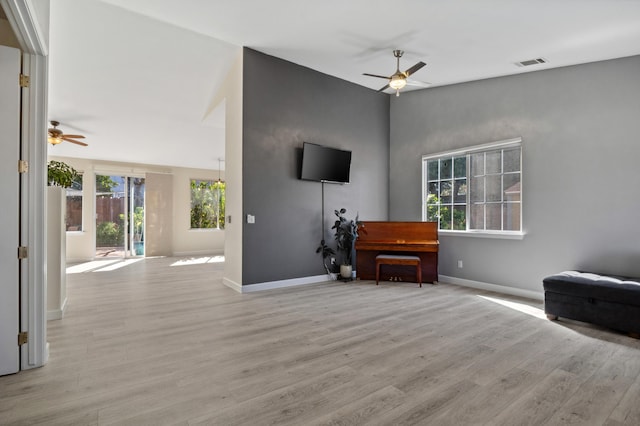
[324, 164]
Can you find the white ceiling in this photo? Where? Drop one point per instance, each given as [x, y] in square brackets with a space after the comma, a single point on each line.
[137, 77]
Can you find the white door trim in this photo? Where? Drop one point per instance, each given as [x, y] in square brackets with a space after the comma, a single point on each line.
[22, 18]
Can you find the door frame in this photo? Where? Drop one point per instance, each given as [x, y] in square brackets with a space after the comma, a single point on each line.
[23, 19]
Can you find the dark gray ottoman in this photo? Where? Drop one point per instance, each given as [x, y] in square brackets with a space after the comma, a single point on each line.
[607, 300]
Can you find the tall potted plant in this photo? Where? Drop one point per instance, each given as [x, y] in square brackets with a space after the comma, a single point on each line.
[346, 234]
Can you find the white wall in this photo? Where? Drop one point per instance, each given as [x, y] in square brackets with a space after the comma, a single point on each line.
[179, 240]
[56, 246]
[158, 214]
[231, 95]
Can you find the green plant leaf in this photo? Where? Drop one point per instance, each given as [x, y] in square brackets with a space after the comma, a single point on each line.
[61, 174]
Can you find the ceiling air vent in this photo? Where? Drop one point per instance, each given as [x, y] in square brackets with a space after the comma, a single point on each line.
[531, 62]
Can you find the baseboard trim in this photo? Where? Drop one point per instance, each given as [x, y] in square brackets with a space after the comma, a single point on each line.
[512, 291]
[198, 253]
[54, 315]
[232, 284]
[57, 314]
[324, 278]
[270, 285]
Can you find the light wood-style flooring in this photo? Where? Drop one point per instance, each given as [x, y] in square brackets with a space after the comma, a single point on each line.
[160, 341]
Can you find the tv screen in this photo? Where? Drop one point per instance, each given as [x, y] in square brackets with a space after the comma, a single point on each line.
[324, 164]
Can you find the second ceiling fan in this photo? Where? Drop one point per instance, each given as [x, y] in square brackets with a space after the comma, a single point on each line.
[55, 135]
[399, 79]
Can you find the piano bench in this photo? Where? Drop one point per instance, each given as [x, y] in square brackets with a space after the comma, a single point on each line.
[391, 259]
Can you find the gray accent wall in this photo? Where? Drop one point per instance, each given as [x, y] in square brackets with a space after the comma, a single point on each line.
[284, 105]
[580, 127]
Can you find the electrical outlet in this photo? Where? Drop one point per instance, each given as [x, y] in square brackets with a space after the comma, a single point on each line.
[460, 264]
[333, 260]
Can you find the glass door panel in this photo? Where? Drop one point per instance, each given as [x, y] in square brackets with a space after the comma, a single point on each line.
[110, 207]
[136, 216]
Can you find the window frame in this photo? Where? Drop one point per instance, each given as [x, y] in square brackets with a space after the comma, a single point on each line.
[220, 213]
[492, 146]
[81, 195]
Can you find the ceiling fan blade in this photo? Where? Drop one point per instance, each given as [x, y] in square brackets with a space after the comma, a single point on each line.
[418, 83]
[414, 68]
[375, 75]
[73, 136]
[384, 88]
[64, 138]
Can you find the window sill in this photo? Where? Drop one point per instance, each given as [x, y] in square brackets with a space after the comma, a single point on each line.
[75, 232]
[206, 230]
[484, 234]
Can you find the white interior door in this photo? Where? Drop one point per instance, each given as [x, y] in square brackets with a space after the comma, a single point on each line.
[9, 193]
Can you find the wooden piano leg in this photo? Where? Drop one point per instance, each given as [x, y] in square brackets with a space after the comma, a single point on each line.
[419, 270]
[377, 272]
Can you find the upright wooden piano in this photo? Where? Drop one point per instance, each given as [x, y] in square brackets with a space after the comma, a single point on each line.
[398, 238]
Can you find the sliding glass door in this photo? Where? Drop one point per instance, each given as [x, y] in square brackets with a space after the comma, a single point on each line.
[119, 216]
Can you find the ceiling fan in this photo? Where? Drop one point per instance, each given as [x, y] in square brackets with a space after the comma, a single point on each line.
[400, 78]
[56, 136]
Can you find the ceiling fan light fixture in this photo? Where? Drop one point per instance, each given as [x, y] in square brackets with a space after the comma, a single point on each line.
[397, 82]
[54, 135]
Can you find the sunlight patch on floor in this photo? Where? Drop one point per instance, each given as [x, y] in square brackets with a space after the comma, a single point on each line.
[198, 260]
[521, 307]
[119, 265]
[90, 266]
